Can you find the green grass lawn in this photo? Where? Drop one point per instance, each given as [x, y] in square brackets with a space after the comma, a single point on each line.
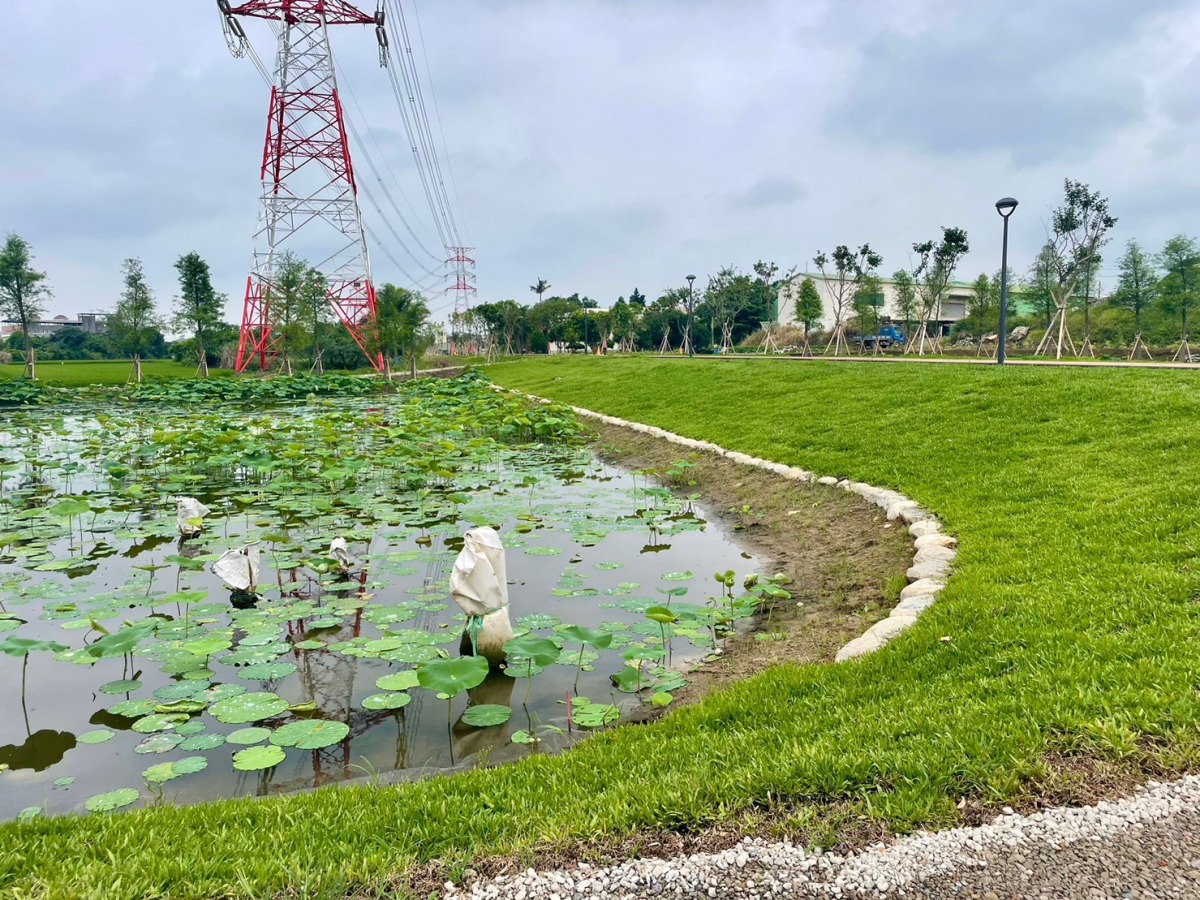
[1070, 626]
[76, 373]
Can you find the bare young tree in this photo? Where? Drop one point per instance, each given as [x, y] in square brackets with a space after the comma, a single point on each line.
[936, 262]
[1078, 229]
[850, 268]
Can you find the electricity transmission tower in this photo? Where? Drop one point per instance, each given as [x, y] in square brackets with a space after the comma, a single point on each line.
[463, 289]
[307, 176]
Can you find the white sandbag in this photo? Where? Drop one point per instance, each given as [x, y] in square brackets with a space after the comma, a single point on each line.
[239, 568]
[187, 511]
[340, 554]
[479, 585]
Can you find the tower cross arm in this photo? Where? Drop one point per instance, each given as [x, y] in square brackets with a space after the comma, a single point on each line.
[335, 12]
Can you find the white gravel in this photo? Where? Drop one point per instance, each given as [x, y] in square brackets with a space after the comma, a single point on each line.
[1144, 846]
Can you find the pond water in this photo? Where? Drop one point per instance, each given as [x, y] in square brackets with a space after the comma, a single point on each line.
[146, 679]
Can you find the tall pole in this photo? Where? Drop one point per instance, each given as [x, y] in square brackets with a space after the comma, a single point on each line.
[691, 308]
[1005, 207]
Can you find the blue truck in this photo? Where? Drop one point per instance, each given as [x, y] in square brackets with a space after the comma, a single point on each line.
[888, 335]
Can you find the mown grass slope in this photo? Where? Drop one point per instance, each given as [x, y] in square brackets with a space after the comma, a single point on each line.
[1072, 624]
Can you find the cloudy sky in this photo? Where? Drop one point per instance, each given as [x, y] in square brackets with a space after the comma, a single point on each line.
[610, 144]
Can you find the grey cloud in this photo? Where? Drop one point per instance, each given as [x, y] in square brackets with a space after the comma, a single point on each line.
[1038, 79]
[769, 190]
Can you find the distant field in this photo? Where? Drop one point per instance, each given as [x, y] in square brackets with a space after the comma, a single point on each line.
[101, 371]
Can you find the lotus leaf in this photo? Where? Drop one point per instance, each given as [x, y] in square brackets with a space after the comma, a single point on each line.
[178, 691]
[449, 677]
[524, 737]
[253, 759]
[18, 646]
[159, 743]
[246, 708]
[202, 742]
[190, 728]
[133, 709]
[662, 698]
[386, 701]
[398, 681]
[661, 615]
[268, 671]
[99, 736]
[159, 722]
[220, 692]
[127, 686]
[207, 646]
[29, 813]
[580, 635]
[486, 714]
[248, 736]
[586, 714]
[112, 800]
[310, 734]
[64, 782]
[187, 707]
[678, 576]
[168, 771]
[541, 652]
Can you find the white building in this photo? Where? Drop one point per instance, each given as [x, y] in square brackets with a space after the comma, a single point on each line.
[953, 310]
[88, 322]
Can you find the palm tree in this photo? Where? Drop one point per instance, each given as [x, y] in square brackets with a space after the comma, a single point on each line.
[540, 288]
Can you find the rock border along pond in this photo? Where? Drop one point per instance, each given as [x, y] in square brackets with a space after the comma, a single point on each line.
[935, 551]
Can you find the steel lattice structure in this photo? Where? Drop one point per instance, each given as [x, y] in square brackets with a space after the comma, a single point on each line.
[307, 174]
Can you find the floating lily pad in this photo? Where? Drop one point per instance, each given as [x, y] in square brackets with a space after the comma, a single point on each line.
[543, 551]
[159, 743]
[159, 722]
[127, 686]
[308, 645]
[202, 742]
[386, 701]
[253, 759]
[268, 671]
[64, 782]
[178, 691]
[112, 800]
[171, 770]
[593, 715]
[248, 708]
[397, 681]
[248, 736]
[310, 734]
[190, 728]
[487, 714]
[99, 736]
[678, 576]
[133, 709]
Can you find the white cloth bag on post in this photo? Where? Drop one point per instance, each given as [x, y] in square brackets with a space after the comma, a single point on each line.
[188, 515]
[239, 568]
[479, 585]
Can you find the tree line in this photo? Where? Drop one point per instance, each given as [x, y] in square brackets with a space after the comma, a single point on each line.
[136, 328]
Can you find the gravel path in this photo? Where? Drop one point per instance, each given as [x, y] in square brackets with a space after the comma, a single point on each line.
[1145, 846]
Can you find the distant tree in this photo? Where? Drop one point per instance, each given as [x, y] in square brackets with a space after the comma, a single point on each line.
[540, 288]
[1078, 229]
[906, 298]
[287, 300]
[625, 318]
[982, 302]
[868, 300]
[1137, 289]
[1040, 282]
[135, 323]
[317, 317]
[809, 308]
[1180, 262]
[850, 268]
[936, 263]
[637, 298]
[22, 292]
[550, 317]
[198, 308]
[400, 326]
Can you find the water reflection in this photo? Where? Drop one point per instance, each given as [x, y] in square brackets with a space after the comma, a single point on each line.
[41, 750]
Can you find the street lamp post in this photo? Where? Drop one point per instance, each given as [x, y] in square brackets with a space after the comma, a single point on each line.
[691, 306]
[1005, 207]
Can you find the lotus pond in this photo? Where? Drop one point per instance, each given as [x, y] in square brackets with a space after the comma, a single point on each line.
[130, 673]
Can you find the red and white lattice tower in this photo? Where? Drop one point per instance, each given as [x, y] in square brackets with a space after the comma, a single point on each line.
[307, 176]
[464, 291]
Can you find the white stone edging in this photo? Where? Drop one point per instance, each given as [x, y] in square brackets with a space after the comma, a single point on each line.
[935, 551]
